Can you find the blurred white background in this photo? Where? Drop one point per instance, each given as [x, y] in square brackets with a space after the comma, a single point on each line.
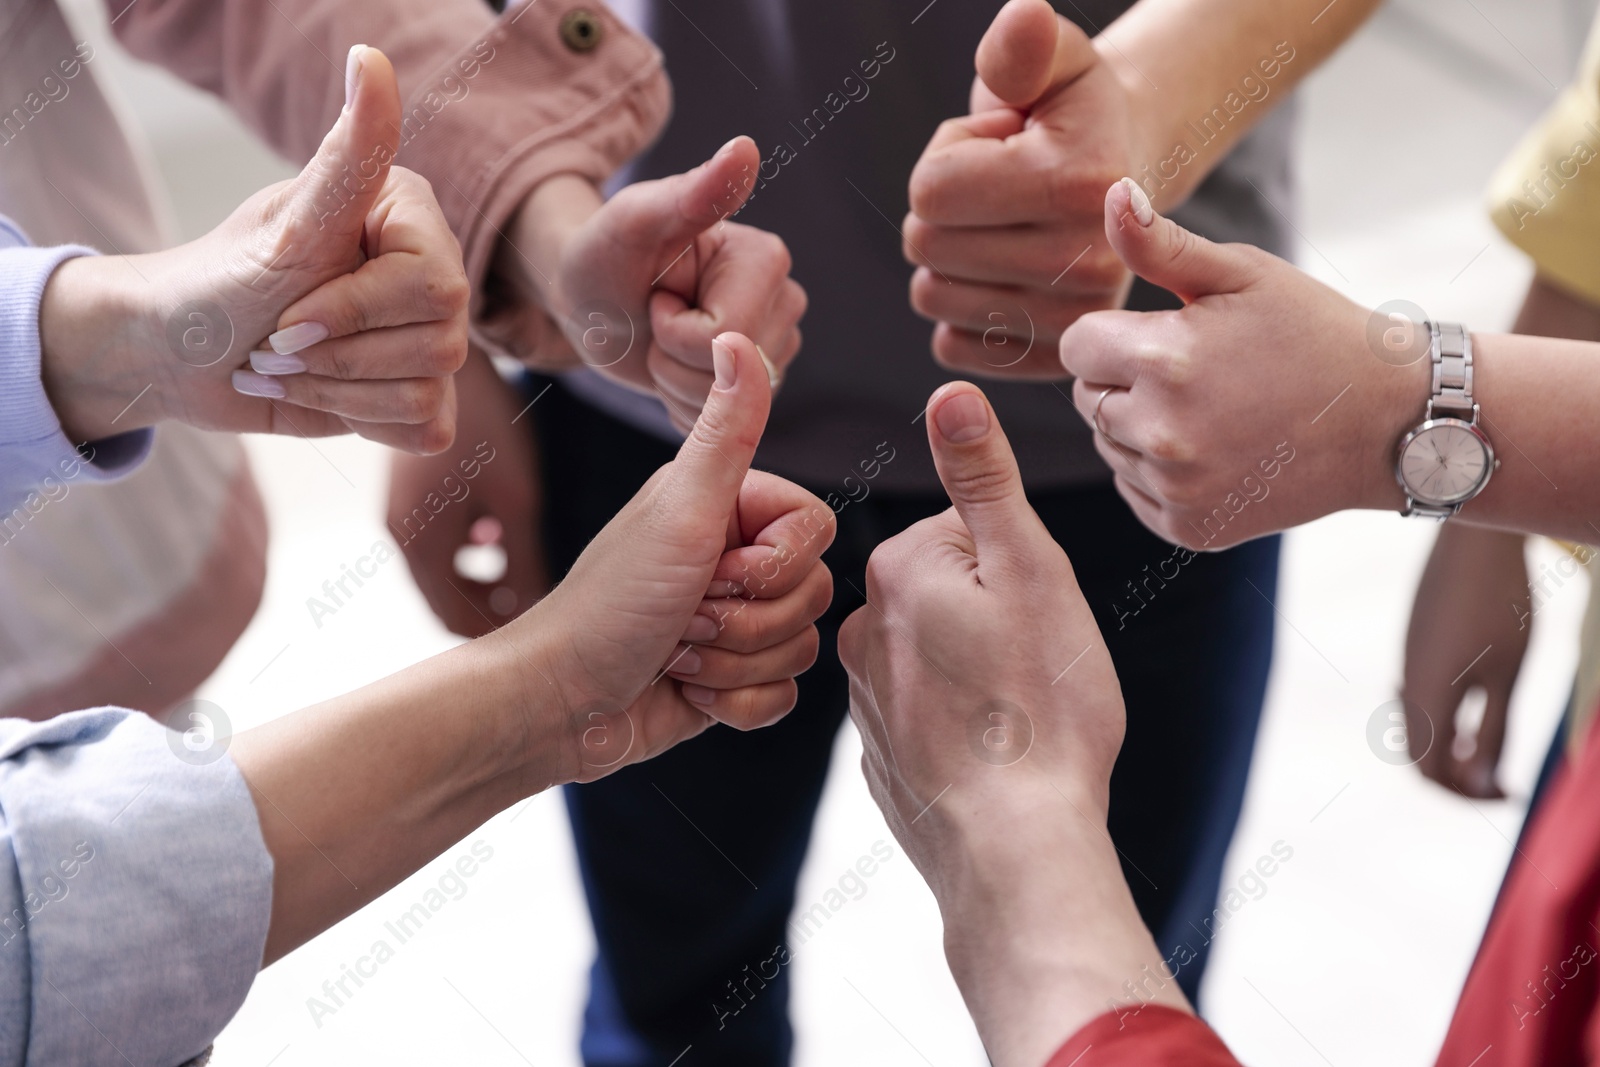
[1355, 953]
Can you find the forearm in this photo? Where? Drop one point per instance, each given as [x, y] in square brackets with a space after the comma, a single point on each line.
[357, 793]
[1479, 550]
[1040, 951]
[1202, 73]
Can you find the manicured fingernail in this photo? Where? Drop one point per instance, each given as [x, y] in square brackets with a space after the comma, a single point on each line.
[264, 362]
[773, 378]
[962, 418]
[685, 662]
[724, 364]
[251, 384]
[1142, 211]
[352, 73]
[701, 628]
[294, 338]
[699, 695]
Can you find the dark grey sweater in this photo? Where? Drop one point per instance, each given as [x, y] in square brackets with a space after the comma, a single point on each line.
[838, 149]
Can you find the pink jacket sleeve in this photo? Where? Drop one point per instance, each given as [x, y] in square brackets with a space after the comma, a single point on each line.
[1149, 1036]
[493, 106]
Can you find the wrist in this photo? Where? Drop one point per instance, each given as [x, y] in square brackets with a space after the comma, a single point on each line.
[1162, 178]
[96, 336]
[1007, 851]
[1390, 397]
[1437, 483]
[542, 725]
[537, 238]
[1047, 938]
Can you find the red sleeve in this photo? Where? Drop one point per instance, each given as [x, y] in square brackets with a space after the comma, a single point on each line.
[1151, 1036]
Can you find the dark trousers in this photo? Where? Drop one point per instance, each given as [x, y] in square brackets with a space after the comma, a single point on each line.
[689, 862]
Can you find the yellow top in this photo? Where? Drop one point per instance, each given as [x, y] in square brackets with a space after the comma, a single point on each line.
[1546, 196]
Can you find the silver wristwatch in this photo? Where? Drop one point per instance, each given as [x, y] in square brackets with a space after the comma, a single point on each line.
[1446, 460]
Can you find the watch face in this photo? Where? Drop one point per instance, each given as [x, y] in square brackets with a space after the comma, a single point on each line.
[1445, 461]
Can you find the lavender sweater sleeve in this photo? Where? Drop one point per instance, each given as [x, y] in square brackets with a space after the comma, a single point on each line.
[135, 890]
[34, 452]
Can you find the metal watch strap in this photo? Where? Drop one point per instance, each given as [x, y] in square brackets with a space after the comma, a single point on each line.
[1450, 346]
[1451, 349]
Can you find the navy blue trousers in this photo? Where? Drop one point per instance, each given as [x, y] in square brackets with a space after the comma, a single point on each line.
[689, 862]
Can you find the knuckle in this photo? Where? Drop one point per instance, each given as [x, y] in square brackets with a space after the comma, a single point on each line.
[443, 351]
[750, 630]
[737, 709]
[1170, 447]
[1152, 363]
[916, 237]
[780, 701]
[776, 249]
[712, 426]
[444, 289]
[883, 569]
[951, 350]
[420, 401]
[308, 391]
[436, 436]
[928, 192]
[1180, 246]
[982, 484]
[1179, 491]
[821, 595]
[807, 647]
[1101, 269]
[341, 362]
[799, 302]
[924, 294]
[1179, 368]
[1069, 192]
[849, 642]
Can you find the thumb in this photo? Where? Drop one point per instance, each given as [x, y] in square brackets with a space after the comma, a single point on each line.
[710, 468]
[979, 472]
[1165, 254]
[675, 210]
[342, 181]
[1029, 51]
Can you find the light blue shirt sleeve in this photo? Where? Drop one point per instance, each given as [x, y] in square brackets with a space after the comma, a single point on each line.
[135, 892]
[33, 450]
